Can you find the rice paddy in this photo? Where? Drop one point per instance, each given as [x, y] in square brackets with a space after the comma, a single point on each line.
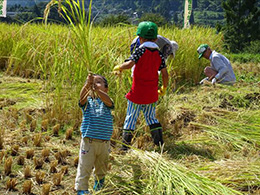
[212, 134]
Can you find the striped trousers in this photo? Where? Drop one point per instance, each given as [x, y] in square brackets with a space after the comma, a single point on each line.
[133, 111]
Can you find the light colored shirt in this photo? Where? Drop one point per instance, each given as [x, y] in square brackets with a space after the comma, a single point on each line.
[223, 66]
[166, 46]
[97, 120]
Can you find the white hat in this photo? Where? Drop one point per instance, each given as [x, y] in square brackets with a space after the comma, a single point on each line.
[175, 47]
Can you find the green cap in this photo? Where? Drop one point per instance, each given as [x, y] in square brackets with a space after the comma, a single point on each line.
[147, 30]
[201, 49]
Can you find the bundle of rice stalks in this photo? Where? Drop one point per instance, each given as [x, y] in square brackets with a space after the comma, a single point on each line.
[56, 129]
[23, 125]
[37, 138]
[29, 154]
[47, 138]
[241, 174]
[58, 157]
[167, 177]
[65, 153]
[44, 125]
[28, 118]
[14, 113]
[10, 184]
[14, 150]
[230, 134]
[46, 154]
[2, 154]
[33, 125]
[8, 165]
[27, 172]
[39, 177]
[76, 161]
[61, 157]
[64, 170]
[38, 162]
[20, 160]
[27, 187]
[1, 139]
[53, 166]
[68, 134]
[46, 189]
[25, 140]
[57, 177]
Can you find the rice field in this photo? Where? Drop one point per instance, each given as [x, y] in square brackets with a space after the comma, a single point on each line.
[212, 134]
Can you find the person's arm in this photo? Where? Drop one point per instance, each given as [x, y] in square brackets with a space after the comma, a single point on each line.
[86, 90]
[104, 97]
[132, 60]
[126, 65]
[165, 77]
[220, 66]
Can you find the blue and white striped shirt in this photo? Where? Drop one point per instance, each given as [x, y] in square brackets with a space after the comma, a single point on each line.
[97, 120]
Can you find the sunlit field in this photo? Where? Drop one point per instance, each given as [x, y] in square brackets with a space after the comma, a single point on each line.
[212, 134]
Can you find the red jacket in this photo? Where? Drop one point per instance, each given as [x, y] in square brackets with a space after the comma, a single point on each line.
[144, 88]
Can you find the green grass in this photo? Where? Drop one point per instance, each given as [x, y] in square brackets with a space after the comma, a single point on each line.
[244, 57]
[21, 92]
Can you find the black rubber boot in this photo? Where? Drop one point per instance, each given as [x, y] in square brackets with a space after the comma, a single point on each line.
[156, 131]
[127, 138]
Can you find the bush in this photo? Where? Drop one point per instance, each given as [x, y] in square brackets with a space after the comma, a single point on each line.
[113, 20]
[244, 57]
[253, 48]
[156, 18]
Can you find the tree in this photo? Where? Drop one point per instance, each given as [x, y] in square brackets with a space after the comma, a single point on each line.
[156, 18]
[164, 9]
[113, 20]
[242, 23]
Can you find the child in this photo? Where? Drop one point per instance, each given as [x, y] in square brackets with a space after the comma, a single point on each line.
[96, 130]
[144, 92]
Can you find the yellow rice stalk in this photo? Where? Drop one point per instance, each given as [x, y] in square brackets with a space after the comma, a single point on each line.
[57, 177]
[27, 187]
[29, 153]
[46, 189]
[11, 183]
[27, 172]
[8, 165]
[39, 177]
[20, 160]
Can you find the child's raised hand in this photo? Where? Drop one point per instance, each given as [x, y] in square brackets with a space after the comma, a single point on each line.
[89, 82]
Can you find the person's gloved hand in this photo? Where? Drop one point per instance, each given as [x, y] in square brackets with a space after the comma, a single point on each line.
[214, 80]
[202, 81]
[162, 91]
[117, 68]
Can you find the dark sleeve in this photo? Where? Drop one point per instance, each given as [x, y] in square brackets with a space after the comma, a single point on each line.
[137, 54]
[163, 64]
